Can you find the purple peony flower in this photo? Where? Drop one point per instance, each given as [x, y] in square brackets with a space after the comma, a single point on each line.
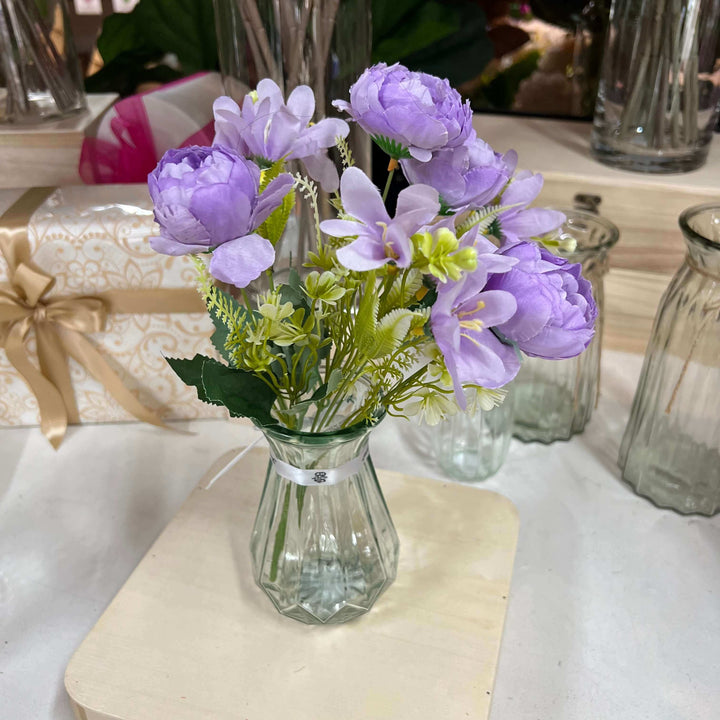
[556, 311]
[267, 129]
[461, 320]
[208, 198]
[468, 175]
[420, 112]
[521, 222]
[380, 238]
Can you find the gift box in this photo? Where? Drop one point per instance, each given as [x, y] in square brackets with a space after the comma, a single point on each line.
[88, 311]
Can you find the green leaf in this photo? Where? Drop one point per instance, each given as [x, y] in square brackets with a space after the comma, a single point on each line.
[185, 28]
[274, 227]
[391, 331]
[391, 147]
[241, 392]
[426, 25]
[461, 56]
[366, 320]
[120, 33]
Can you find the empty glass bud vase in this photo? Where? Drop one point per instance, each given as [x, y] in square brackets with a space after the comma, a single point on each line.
[554, 399]
[323, 546]
[473, 446]
[670, 452]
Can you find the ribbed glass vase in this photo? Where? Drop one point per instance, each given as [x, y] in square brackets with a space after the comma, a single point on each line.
[323, 546]
[472, 447]
[657, 103]
[670, 452]
[554, 399]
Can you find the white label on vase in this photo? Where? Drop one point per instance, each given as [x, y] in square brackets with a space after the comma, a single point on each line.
[88, 7]
[315, 476]
[124, 6]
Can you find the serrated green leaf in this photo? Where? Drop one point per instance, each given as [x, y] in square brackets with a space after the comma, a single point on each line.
[391, 331]
[241, 392]
[366, 320]
[391, 147]
[274, 227]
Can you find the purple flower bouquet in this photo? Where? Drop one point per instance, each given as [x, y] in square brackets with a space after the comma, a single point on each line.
[408, 310]
[439, 297]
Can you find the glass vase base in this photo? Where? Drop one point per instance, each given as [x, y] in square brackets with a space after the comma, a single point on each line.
[547, 415]
[329, 594]
[470, 466]
[665, 481]
[657, 163]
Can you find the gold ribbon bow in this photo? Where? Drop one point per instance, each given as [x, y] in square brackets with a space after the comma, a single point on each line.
[60, 326]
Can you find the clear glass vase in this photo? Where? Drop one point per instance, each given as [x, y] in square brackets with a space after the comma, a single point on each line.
[657, 102]
[40, 74]
[323, 546]
[670, 452]
[325, 44]
[554, 399]
[472, 447]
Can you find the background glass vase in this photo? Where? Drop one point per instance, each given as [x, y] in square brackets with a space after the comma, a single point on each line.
[554, 399]
[670, 452]
[658, 98]
[474, 447]
[325, 44]
[40, 74]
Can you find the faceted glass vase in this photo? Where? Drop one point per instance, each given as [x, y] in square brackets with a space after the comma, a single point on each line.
[670, 452]
[323, 552]
[554, 399]
[472, 447]
[657, 102]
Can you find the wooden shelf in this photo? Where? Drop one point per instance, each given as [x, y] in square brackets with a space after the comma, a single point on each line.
[47, 153]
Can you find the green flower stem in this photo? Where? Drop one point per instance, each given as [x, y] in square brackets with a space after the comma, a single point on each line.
[388, 182]
[280, 535]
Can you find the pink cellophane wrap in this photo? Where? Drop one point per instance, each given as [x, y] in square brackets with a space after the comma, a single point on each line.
[135, 133]
[93, 239]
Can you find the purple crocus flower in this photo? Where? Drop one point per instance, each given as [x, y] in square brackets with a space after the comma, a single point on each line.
[419, 112]
[556, 311]
[207, 198]
[461, 320]
[267, 130]
[521, 222]
[380, 238]
[469, 175]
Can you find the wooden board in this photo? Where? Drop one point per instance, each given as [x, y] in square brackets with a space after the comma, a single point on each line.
[191, 636]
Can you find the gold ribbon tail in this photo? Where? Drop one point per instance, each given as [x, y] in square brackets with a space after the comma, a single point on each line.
[80, 348]
[53, 415]
[54, 366]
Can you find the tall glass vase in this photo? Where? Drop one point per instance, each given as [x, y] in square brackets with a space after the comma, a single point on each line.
[657, 102]
[670, 452]
[324, 546]
[40, 74]
[554, 399]
[325, 44]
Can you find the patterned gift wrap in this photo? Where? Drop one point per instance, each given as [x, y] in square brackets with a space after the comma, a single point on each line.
[91, 240]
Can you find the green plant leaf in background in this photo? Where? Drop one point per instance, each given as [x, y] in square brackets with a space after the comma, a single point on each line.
[133, 45]
[443, 38]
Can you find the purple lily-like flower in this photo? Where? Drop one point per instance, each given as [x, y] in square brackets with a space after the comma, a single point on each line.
[269, 130]
[461, 320]
[379, 238]
[208, 198]
[521, 222]
[469, 175]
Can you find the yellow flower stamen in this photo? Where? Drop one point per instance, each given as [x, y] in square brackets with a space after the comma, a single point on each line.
[480, 305]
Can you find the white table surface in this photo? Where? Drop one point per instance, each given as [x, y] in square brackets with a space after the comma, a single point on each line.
[614, 609]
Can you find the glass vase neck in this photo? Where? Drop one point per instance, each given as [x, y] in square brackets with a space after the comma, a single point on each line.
[700, 226]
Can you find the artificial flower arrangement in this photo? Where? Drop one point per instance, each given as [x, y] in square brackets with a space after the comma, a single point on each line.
[430, 306]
